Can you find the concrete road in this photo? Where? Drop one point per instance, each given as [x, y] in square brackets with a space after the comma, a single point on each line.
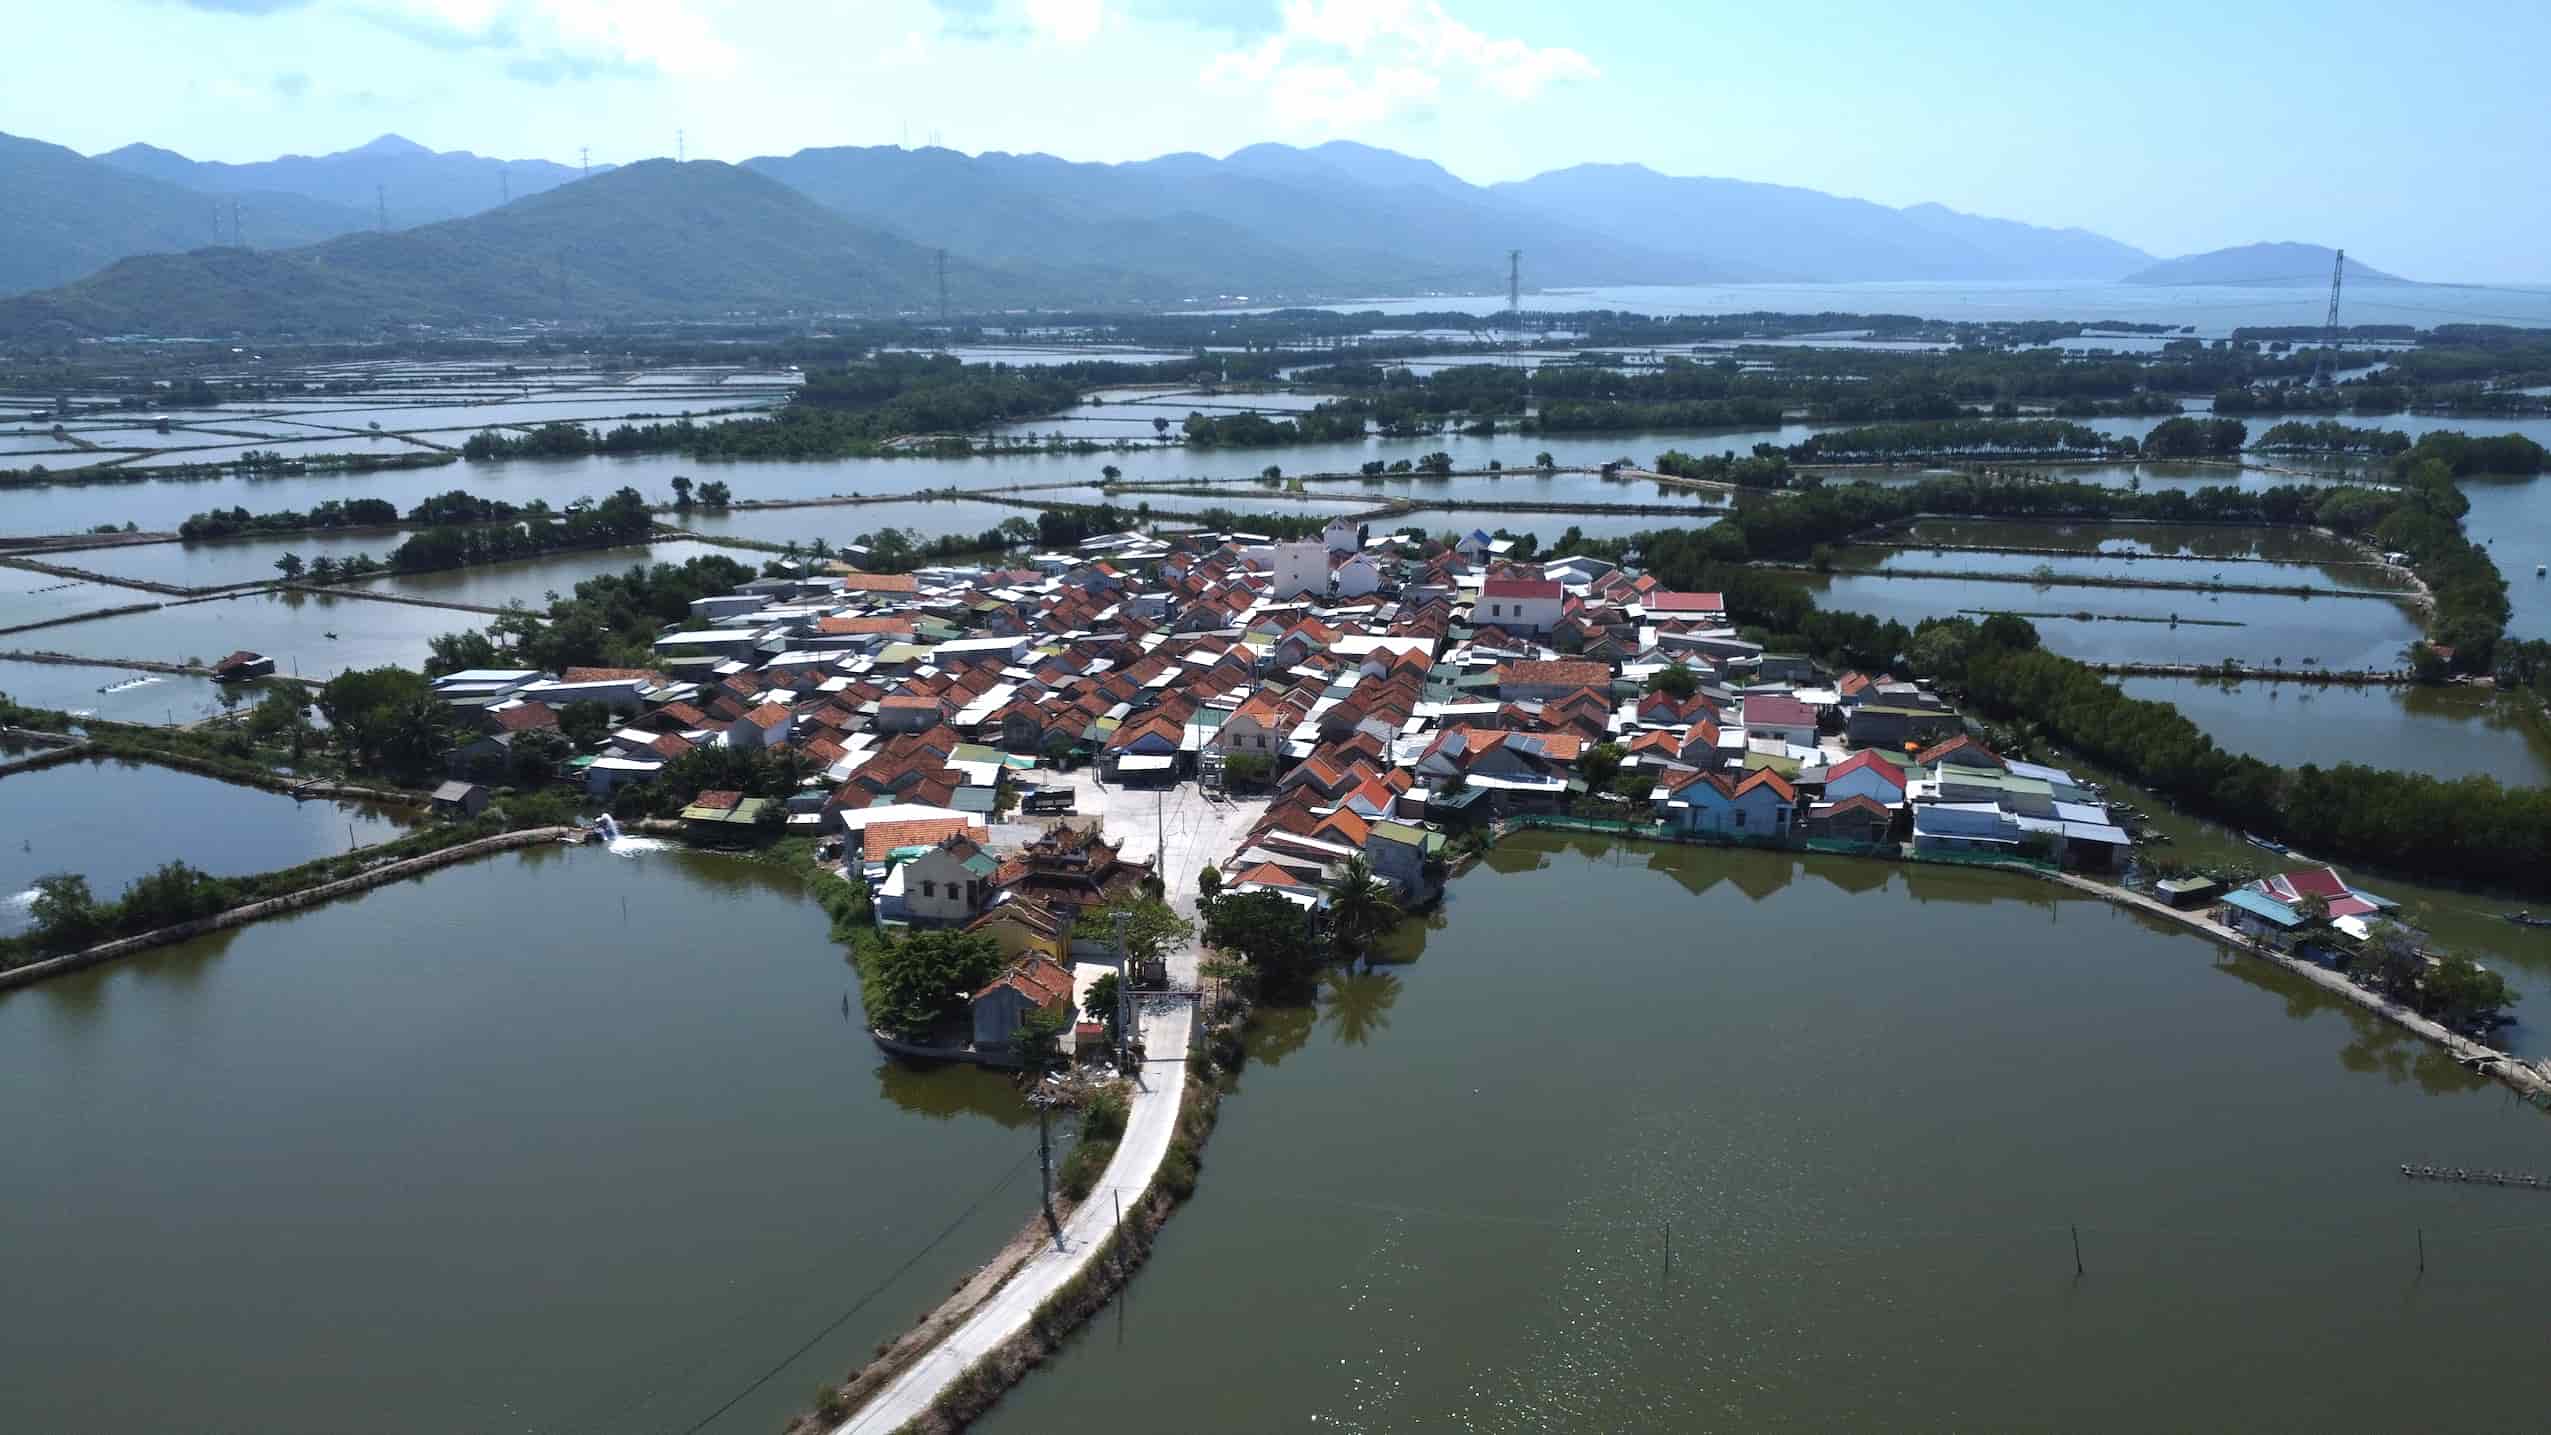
[1198, 831]
[1149, 1124]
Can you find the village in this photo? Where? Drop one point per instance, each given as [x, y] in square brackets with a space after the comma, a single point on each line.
[1005, 751]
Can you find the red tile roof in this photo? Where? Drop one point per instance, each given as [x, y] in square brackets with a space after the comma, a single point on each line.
[768, 715]
[1866, 762]
[1557, 674]
[856, 582]
[718, 800]
[879, 838]
[1520, 588]
[1666, 602]
[1772, 710]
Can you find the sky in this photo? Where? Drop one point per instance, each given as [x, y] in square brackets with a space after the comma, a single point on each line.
[2417, 141]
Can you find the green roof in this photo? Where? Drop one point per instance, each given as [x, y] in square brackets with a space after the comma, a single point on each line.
[1412, 836]
[745, 812]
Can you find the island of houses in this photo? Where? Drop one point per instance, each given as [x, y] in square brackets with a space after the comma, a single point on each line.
[1377, 694]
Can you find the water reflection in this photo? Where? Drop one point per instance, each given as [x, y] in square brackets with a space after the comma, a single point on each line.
[1356, 1005]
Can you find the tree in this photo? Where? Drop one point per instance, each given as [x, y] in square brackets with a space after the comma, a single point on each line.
[1110, 472]
[363, 707]
[1209, 884]
[1038, 1043]
[1361, 908]
[2314, 909]
[1153, 929]
[534, 756]
[1675, 681]
[682, 493]
[713, 494]
[1160, 429]
[926, 977]
[289, 566]
[1100, 1004]
[2460, 992]
[1600, 763]
[66, 916]
[1272, 935]
[584, 722]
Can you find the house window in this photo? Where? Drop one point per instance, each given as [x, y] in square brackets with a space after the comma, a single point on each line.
[1740, 818]
[1262, 742]
[929, 889]
[1494, 610]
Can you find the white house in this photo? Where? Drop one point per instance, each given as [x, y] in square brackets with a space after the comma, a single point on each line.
[1520, 604]
[1341, 536]
[1357, 576]
[1787, 719]
[1299, 568]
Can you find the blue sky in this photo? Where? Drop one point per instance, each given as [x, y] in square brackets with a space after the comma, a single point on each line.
[2416, 139]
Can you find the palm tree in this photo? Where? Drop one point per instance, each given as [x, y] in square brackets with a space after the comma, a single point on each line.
[1361, 909]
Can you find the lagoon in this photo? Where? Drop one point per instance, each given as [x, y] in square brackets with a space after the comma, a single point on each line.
[1868, 1103]
[559, 1140]
[112, 821]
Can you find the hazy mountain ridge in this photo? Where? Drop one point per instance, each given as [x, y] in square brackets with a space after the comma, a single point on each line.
[1268, 222]
[1269, 219]
[63, 215]
[1775, 231]
[416, 184]
[655, 239]
[2273, 265]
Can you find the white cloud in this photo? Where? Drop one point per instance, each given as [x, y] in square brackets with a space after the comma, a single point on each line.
[674, 37]
[1342, 65]
[1071, 23]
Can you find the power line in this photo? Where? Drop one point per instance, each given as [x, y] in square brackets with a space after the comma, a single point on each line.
[874, 1291]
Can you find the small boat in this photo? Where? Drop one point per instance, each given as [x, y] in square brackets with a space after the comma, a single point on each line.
[2541, 568]
[2526, 919]
[327, 635]
[2256, 840]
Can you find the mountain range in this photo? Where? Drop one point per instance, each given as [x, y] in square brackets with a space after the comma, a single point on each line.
[856, 227]
[651, 239]
[2261, 266]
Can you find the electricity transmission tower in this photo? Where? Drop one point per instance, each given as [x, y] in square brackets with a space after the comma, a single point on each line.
[2329, 326]
[1514, 300]
[584, 161]
[381, 199]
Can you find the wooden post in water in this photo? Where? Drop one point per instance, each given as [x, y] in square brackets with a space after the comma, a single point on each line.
[2077, 1252]
[2422, 1250]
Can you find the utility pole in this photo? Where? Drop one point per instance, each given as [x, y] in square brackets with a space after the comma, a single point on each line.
[1045, 1162]
[2329, 326]
[584, 161]
[681, 147]
[1124, 980]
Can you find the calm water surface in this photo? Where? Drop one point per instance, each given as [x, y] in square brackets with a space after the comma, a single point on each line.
[554, 1141]
[2445, 732]
[114, 821]
[2337, 633]
[1868, 1104]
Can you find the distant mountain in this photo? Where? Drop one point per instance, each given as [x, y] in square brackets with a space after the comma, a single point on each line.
[656, 239]
[417, 185]
[63, 215]
[1775, 231]
[2030, 251]
[1337, 221]
[2260, 266]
